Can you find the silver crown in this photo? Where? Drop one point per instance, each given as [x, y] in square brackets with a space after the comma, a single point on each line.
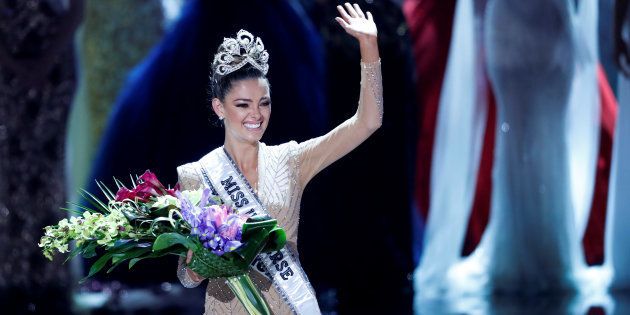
[234, 53]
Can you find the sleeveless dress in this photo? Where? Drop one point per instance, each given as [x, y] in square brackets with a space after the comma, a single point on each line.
[283, 172]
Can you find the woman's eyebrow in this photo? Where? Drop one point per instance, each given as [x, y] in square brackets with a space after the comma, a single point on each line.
[243, 99]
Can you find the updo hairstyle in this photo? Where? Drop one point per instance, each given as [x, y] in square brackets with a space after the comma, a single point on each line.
[220, 85]
[239, 58]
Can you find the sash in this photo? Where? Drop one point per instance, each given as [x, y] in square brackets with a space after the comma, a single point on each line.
[225, 180]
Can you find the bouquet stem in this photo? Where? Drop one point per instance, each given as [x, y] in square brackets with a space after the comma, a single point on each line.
[248, 294]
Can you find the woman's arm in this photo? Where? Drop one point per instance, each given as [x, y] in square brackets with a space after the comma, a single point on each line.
[316, 154]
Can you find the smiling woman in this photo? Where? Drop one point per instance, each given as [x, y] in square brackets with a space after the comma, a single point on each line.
[261, 179]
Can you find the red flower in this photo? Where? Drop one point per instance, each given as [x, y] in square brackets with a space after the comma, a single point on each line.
[124, 193]
[148, 186]
[173, 190]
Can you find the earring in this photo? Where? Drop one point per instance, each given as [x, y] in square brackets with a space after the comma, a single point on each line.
[220, 117]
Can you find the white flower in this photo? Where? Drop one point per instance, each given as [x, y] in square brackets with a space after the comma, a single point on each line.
[165, 201]
[194, 196]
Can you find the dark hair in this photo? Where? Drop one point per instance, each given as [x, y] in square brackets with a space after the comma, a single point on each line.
[221, 85]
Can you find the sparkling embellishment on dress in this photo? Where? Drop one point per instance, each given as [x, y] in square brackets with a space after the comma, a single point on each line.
[372, 72]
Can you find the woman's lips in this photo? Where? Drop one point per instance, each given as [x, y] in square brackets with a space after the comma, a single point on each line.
[253, 126]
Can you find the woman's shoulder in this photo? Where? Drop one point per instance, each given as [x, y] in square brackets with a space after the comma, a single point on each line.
[192, 168]
[282, 148]
[188, 169]
[188, 176]
[282, 153]
[280, 156]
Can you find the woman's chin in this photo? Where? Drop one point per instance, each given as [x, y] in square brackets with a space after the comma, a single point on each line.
[252, 139]
[254, 135]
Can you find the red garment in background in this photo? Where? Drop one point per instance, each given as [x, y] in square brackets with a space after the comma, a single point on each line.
[593, 240]
[480, 212]
[430, 25]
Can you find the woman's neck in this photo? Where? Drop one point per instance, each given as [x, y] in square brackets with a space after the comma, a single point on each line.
[245, 155]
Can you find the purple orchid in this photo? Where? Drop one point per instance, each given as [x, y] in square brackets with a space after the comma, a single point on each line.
[219, 227]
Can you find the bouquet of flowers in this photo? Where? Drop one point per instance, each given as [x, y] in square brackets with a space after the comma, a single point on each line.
[151, 221]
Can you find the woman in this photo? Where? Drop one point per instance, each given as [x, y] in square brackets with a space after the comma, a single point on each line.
[270, 179]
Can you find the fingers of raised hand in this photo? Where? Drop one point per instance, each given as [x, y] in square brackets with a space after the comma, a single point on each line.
[342, 22]
[354, 21]
[343, 13]
[351, 10]
[359, 11]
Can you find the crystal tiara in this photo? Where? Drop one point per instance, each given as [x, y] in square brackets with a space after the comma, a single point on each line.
[234, 53]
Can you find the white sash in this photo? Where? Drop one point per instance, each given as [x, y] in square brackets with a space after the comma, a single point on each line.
[225, 180]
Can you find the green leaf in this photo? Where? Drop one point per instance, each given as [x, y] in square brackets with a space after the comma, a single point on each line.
[277, 240]
[133, 182]
[121, 258]
[125, 244]
[133, 216]
[98, 265]
[134, 261]
[108, 193]
[90, 197]
[161, 212]
[130, 253]
[122, 246]
[169, 224]
[253, 244]
[84, 208]
[73, 211]
[156, 254]
[89, 250]
[117, 257]
[248, 294]
[122, 243]
[119, 247]
[119, 184]
[167, 240]
[98, 204]
[75, 251]
[258, 222]
[260, 234]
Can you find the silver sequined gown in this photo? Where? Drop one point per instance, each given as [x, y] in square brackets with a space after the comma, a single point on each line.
[284, 171]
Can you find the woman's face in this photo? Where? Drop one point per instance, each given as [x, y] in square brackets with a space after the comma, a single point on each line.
[245, 109]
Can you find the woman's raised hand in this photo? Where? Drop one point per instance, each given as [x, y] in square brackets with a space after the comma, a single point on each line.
[357, 24]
